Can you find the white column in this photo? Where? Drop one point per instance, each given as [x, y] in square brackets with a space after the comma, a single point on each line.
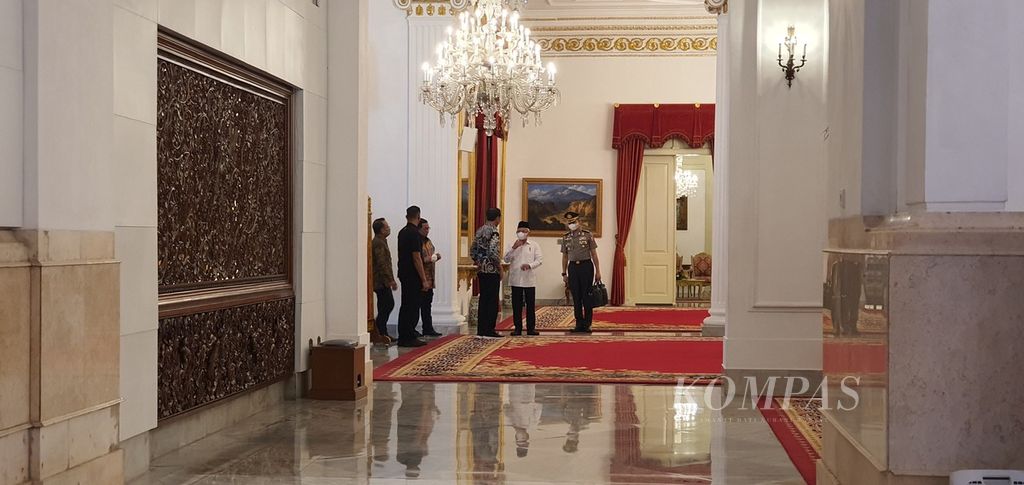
[714, 325]
[346, 231]
[966, 137]
[433, 173]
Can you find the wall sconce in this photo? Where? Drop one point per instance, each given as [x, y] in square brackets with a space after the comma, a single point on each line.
[790, 67]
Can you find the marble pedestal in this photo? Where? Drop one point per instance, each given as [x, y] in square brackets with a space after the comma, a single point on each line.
[926, 312]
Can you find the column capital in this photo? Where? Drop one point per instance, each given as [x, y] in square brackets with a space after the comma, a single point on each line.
[717, 7]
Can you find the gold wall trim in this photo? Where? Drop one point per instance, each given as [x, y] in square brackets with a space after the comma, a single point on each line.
[629, 45]
[432, 8]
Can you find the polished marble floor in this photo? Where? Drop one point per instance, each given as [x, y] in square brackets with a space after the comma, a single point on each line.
[487, 433]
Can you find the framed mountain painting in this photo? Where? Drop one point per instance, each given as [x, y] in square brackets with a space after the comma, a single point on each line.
[545, 201]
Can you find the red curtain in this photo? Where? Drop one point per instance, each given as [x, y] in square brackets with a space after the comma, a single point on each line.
[656, 124]
[637, 126]
[486, 171]
[487, 175]
[631, 160]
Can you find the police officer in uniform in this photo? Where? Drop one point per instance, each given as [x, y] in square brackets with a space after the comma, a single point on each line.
[580, 268]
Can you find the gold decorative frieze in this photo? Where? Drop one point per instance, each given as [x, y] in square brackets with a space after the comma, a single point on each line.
[432, 8]
[628, 45]
[691, 35]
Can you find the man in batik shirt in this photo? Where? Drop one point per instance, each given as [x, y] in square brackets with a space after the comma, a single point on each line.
[486, 255]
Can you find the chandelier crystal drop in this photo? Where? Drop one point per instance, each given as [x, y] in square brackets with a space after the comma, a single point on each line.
[489, 66]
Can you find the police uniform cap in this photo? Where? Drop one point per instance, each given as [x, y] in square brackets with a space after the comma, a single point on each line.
[571, 216]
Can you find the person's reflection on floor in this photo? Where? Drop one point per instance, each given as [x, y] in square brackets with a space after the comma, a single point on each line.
[380, 421]
[523, 413]
[578, 409]
[485, 422]
[416, 418]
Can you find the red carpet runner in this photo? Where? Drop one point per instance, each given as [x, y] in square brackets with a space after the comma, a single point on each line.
[583, 359]
[798, 427]
[619, 319]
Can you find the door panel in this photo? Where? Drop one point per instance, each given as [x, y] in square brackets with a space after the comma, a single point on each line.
[650, 268]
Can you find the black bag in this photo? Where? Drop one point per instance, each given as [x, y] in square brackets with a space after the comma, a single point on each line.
[598, 295]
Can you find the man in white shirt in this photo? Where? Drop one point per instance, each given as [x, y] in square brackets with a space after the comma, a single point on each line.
[524, 258]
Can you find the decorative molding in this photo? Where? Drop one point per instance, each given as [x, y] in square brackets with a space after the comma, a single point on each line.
[693, 35]
[717, 7]
[431, 8]
[628, 45]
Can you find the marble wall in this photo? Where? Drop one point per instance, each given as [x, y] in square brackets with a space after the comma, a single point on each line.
[940, 382]
[59, 411]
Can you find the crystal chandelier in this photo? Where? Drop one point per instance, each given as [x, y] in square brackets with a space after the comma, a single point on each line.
[686, 183]
[489, 66]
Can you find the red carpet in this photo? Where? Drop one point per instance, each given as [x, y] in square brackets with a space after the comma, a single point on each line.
[619, 319]
[583, 359]
[798, 427]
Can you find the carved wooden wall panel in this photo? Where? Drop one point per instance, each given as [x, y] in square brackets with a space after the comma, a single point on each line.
[227, 306]
[223, 181]
[205, 357]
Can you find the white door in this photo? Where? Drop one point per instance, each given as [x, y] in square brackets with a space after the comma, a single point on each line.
[650, 249]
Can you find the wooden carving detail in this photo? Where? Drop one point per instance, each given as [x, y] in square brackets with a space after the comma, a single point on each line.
[223, 181]
[205, 357]
[227, 305]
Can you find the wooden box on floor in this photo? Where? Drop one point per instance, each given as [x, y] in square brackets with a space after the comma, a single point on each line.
[338, 373]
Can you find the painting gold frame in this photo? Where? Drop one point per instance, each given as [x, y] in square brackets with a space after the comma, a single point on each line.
[527, 182]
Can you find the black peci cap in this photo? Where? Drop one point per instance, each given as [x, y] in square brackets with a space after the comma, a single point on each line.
[523, 225]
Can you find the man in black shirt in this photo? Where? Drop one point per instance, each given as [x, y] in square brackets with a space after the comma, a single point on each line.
[413, 278]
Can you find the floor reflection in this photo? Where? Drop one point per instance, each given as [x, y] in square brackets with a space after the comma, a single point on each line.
[416, 418]
[490, 433]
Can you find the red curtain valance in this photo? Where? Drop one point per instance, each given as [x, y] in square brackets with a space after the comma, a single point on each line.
[656, 124]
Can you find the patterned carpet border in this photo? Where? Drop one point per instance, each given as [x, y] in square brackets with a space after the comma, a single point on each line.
[464, 358]
[561, 319]
[797, 426]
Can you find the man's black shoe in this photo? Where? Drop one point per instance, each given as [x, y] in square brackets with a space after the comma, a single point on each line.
[431, 334]
[580, 330]
[412, 343]
[517, 333]
[532, 332]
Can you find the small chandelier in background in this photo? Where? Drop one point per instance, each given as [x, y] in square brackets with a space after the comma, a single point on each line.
[489, 66]
[686, 183]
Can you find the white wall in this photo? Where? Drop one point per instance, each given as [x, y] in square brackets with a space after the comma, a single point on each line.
[11, 101]
[776, 177]
[68, 173]
[286, 39]
[411, 156]
[388, 98]
[968, 128]
[1015, 109]
[575, 138]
